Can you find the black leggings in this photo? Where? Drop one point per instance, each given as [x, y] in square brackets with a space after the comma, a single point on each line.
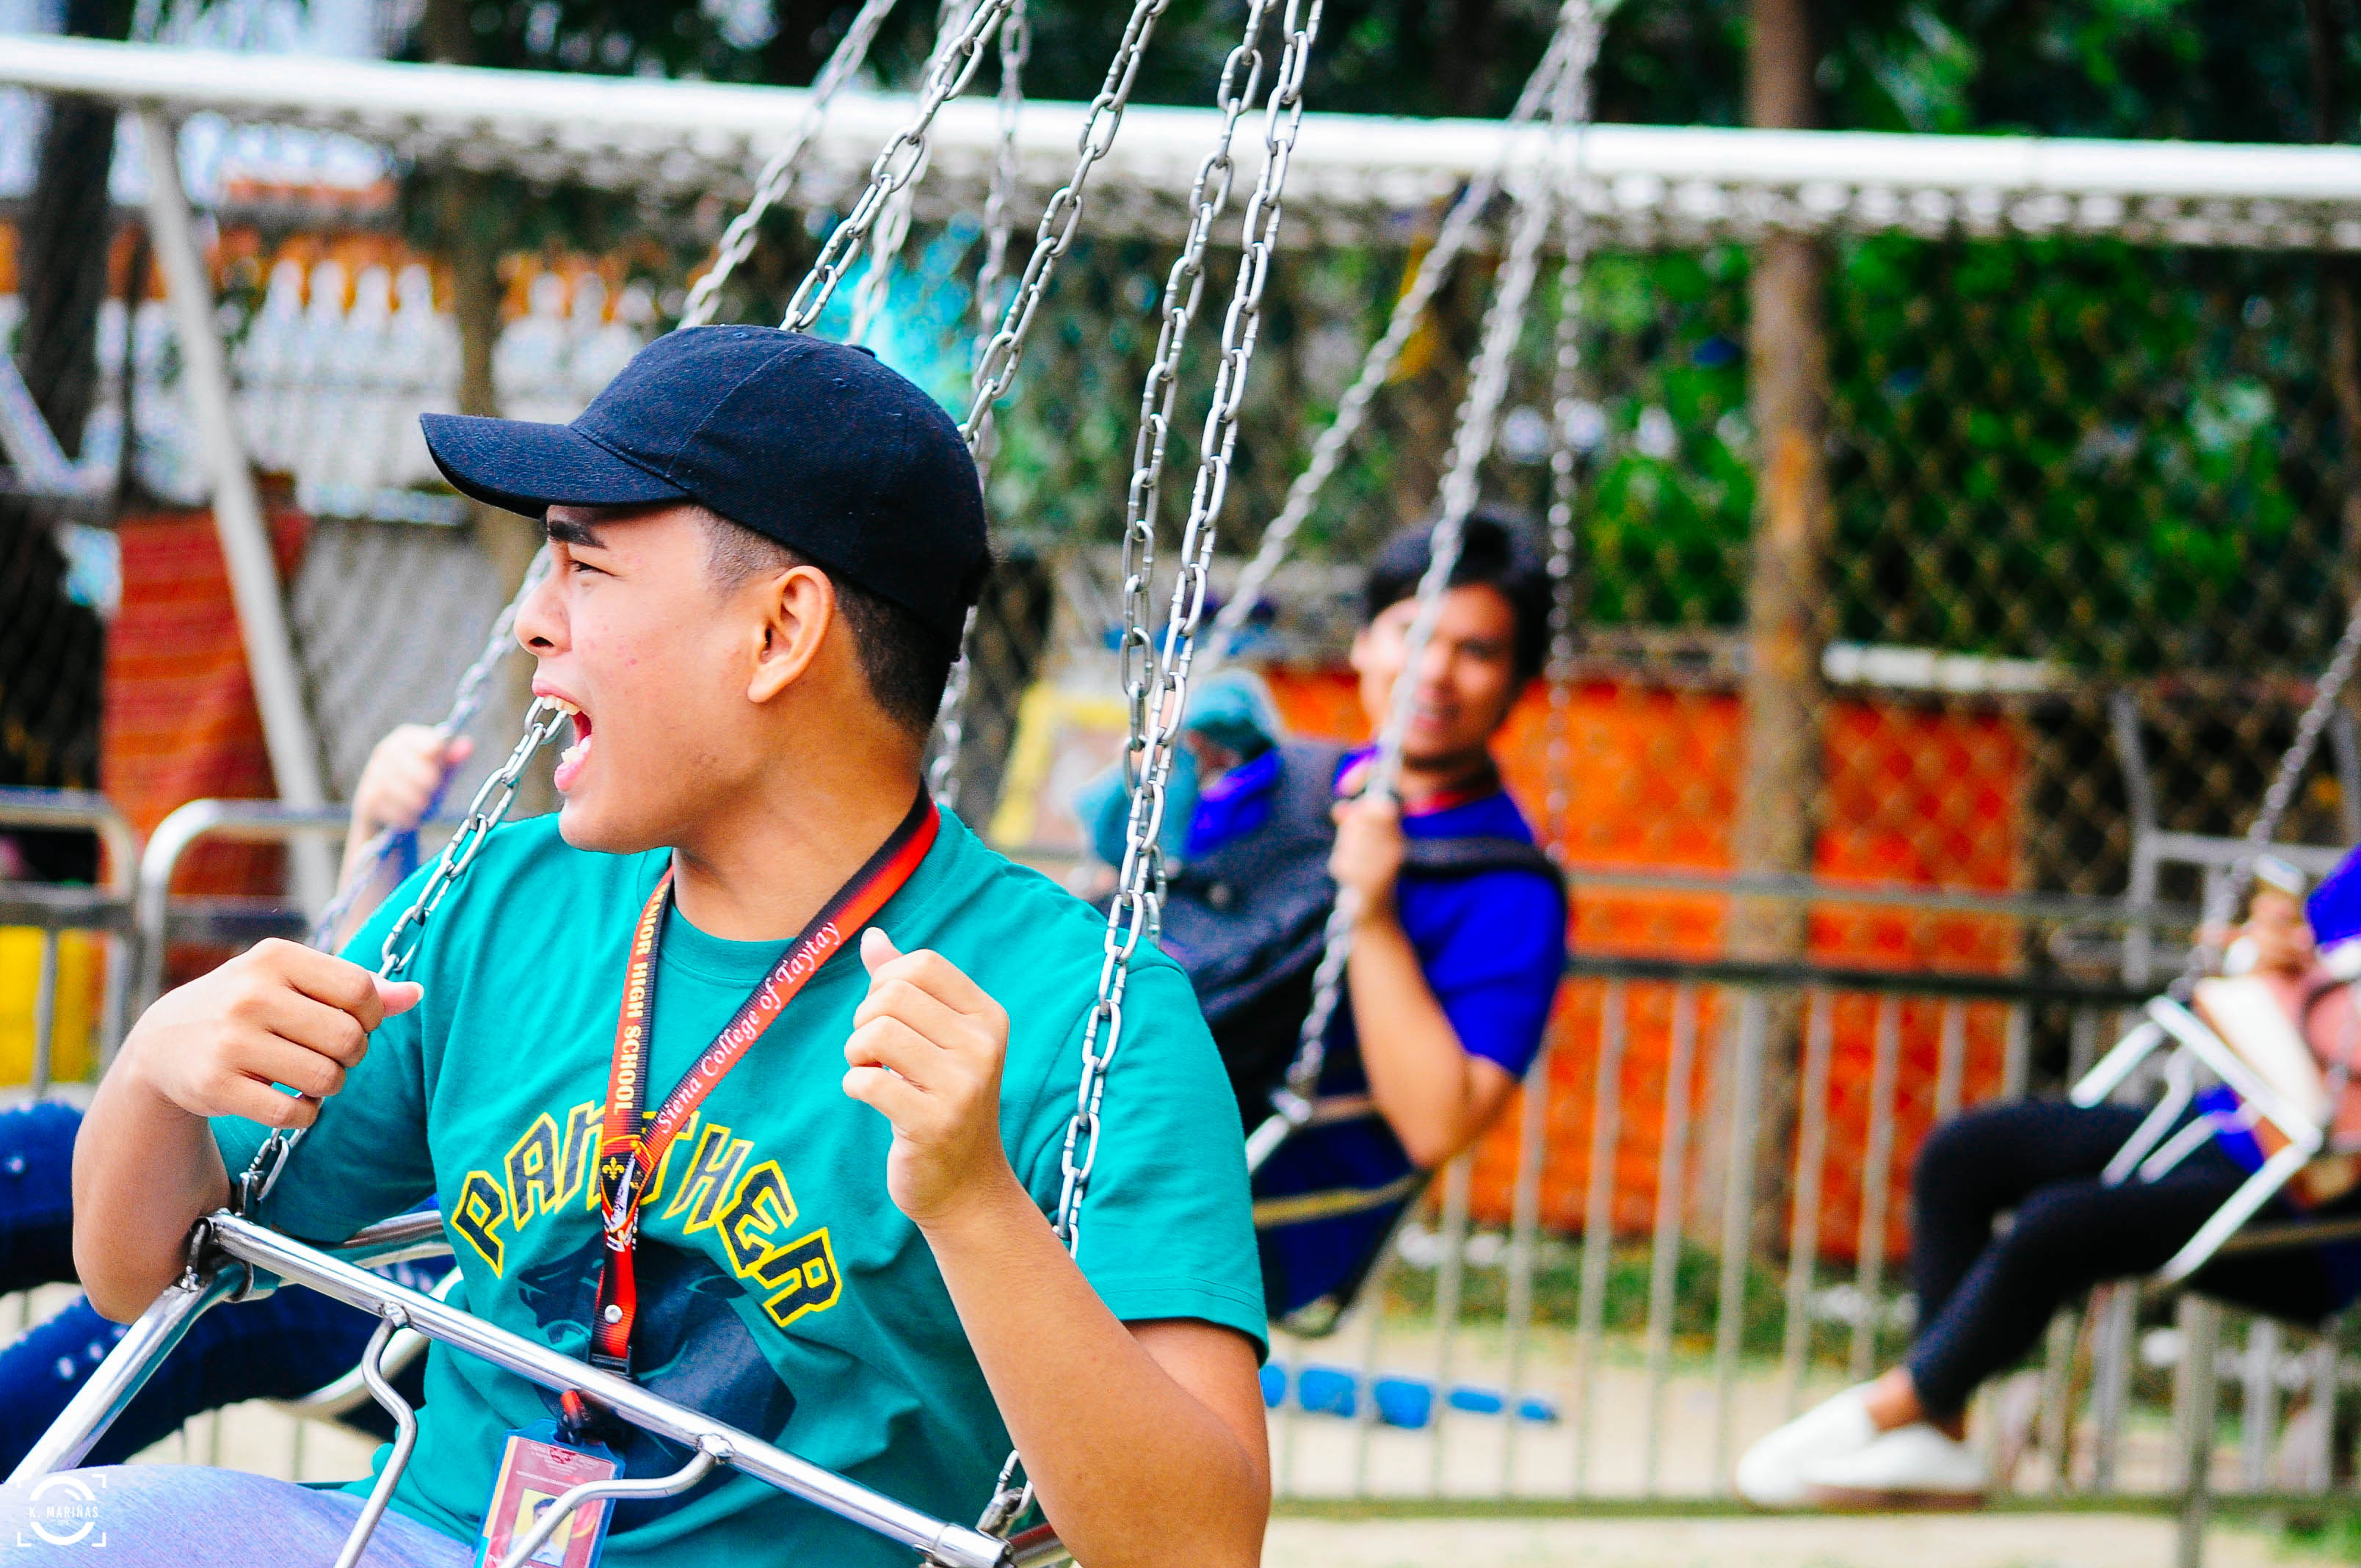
[1985, 1300]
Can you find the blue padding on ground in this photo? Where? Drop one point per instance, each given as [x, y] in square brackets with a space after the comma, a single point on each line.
[1403, 1402]
[1274, 1384]
[1329, 1389]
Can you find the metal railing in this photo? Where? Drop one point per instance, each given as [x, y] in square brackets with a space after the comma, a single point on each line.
[1669, 1247]
[104, 911]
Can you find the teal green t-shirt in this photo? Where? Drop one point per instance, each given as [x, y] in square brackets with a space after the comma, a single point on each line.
[780, 1290]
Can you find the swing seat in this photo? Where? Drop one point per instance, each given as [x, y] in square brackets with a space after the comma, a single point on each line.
[232, 1259]
[2265, 1041]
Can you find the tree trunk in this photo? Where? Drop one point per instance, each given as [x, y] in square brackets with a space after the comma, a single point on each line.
[1788, 627]
[473, 224]
[2338, 311]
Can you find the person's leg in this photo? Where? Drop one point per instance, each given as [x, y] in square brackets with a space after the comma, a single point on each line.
[37, 1195]
[2067, 1236]
[173, 1516]
[280, 1347]
[1971, 1169]
[1977, 1166]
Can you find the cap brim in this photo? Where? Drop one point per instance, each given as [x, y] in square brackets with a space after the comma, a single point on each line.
[522, 466]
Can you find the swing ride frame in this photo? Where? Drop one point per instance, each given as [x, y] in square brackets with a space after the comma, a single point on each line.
[1720, 182]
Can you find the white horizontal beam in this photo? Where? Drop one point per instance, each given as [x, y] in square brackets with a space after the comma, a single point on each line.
[1353, 176]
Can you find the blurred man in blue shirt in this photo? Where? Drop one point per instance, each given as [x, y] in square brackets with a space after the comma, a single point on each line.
[1460, 934]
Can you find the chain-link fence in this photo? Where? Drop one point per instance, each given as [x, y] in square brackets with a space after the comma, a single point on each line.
[2066, 532]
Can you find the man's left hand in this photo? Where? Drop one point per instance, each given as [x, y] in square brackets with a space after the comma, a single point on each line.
[1368, 858]
[926, 1051]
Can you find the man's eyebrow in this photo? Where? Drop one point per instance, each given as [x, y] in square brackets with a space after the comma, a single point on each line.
[563, 530]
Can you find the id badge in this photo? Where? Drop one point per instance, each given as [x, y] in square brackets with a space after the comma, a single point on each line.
[536, 1469]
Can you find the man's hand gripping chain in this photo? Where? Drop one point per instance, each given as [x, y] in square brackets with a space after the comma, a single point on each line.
[486, 812]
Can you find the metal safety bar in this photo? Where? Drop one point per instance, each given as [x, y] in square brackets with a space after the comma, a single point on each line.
[2169, 1019]
[230, 1255]
[105, 910]
[250, 821]
[159, 919]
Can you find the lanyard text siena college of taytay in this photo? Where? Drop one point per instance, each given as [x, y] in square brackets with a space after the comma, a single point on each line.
[632, 1139]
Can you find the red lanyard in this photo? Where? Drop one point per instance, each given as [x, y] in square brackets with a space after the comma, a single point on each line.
[632, 1140]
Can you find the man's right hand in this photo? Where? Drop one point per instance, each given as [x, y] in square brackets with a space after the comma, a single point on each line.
[277, 1013]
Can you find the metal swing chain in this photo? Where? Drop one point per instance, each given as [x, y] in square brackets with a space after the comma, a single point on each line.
[2223, 901]
[485, 812]
[1564, 483]
[871, 294]
[1157, 701]
[1478, 417]
[779, 174]
[1016, 49]
[1458, 228]
[466, 701]
[948, 71]
[950, 713]
[997, 360]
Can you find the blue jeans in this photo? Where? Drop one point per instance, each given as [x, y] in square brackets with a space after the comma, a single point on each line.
[280, 1347]
[177, 1515]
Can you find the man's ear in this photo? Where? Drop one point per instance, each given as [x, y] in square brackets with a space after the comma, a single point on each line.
[1357, 658]
[797, 609]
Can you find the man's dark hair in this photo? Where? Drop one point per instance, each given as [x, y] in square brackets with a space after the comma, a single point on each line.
[906, 661]
[1498, 550]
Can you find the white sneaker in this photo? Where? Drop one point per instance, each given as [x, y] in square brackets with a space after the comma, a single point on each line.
[1911, 1466]
[1771, 1474]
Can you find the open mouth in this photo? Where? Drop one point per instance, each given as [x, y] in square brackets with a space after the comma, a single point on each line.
[571, 762]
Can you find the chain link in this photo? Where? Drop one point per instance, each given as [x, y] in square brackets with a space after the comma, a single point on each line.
[1158, 696]
[490, 806]
[949, 71]
[950, 714]
[1016, 48]
[2222, 903]
[1432, 269]
[771, 185]
[466, 701]
[995, 362]
[1564, 475]
[1477, 417]
[871, 295]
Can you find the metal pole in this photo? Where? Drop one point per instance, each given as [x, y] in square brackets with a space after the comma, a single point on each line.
[1524, 1228]
[1804, 1224]
[45, 1019]
[1876, 1181]
[2201, 1323]
[1597, 1220]
[1665, 1251]
[237, 507]
[1737, 1225]
[1449, 1289]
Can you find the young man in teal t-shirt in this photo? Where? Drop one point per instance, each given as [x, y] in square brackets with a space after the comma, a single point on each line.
[765, 544]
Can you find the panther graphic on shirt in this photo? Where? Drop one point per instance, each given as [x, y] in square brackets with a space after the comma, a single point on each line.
[721, 1188]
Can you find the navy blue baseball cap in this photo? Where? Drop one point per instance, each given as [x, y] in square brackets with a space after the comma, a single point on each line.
[806, 442]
